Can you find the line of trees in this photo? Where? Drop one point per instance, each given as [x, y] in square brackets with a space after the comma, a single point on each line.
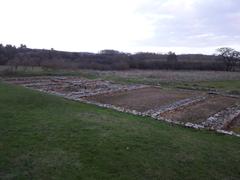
[227, 59]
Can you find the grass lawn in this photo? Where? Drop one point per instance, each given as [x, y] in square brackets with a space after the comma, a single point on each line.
[231, 85]
[48, 137]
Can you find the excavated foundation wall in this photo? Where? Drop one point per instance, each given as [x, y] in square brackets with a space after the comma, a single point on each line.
[78, 89]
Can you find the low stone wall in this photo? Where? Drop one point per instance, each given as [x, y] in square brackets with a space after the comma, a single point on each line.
[134, 112]
[175, 106]
[223, 118]
[87, 88]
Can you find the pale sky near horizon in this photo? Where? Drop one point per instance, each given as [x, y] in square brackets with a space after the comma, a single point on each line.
[183, 26]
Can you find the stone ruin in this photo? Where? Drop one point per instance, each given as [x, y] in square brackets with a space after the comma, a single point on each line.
[77, 89]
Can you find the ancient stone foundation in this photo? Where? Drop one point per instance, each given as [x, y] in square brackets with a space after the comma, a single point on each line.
[78, 89]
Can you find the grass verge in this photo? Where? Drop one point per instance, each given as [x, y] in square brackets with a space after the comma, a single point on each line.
[47, 137]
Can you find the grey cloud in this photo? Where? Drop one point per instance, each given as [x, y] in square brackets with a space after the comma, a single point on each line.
[202, 23]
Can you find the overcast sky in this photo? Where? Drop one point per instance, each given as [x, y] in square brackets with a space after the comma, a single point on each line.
[183, 26]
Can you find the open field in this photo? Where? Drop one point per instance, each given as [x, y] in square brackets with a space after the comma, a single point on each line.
[145, 76]
[200, 80]
[164, 76]
[228, 85]
[46, 137]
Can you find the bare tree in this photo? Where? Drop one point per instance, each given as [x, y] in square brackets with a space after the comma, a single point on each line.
[172, 57]
[230, 57]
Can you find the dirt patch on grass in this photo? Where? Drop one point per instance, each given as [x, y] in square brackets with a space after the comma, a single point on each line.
[199, 112]
[142, 99]
[235, 125]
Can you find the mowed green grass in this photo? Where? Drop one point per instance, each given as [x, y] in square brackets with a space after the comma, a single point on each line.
[48, 137]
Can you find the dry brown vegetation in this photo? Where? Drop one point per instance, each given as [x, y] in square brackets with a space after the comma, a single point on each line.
[235, 125]
[169, 76]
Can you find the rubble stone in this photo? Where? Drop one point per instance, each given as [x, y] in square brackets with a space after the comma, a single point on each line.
[221, 119]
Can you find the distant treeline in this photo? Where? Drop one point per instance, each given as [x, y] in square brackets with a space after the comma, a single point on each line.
[105, 60]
